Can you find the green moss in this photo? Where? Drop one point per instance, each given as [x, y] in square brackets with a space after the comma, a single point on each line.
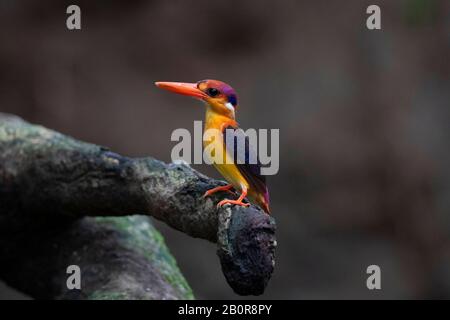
[101, 295]
[139, 234]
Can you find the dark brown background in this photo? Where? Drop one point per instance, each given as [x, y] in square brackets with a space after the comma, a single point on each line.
[363, 117]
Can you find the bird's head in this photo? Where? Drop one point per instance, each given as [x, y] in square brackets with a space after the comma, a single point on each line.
[218, 96]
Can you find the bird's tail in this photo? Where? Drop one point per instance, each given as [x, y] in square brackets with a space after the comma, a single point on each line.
[263, 201]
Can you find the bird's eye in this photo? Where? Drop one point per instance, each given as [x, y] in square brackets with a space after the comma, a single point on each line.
[212, 92]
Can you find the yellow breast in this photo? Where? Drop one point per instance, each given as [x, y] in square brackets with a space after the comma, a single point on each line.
[226, 168]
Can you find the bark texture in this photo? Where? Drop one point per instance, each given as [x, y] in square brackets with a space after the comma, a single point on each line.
[63, 202]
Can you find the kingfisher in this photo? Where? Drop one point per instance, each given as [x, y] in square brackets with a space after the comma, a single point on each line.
[221, 105]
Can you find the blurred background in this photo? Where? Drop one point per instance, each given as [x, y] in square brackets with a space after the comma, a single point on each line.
[363, 116]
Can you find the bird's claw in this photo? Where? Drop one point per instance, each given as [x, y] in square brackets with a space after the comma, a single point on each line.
[236, 202]
[216, 189]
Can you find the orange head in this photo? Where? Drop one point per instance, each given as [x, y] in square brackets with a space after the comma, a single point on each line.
[219, 96]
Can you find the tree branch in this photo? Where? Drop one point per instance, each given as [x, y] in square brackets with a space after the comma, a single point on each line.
[49, 177]
[119, 258]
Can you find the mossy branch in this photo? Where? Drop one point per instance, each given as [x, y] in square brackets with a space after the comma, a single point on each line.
[49, 180]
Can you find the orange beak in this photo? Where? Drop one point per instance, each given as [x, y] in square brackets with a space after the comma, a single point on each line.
[187, 89]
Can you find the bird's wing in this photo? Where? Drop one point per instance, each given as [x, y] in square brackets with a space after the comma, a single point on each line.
[242, 156]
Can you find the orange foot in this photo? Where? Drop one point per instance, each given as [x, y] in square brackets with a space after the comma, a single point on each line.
[216, 189]
[236, 202]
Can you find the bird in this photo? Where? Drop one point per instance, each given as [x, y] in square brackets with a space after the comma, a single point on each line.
[221, 106]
